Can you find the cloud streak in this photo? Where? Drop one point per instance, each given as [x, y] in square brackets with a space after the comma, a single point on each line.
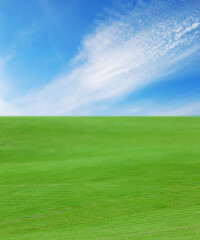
[192, 109]
[123, 54]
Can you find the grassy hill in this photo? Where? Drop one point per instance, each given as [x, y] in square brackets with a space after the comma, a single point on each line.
[99, 178]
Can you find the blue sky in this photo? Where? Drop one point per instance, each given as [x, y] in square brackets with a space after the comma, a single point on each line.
[101, 57]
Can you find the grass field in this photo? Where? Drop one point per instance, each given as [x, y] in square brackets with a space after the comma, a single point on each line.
[99, 178]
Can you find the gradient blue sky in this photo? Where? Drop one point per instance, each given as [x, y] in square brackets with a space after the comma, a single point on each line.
[86, 57]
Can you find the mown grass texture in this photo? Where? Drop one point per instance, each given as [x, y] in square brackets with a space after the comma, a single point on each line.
[103, 178]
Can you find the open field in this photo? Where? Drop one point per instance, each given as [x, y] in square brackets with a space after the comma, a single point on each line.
[98, 178]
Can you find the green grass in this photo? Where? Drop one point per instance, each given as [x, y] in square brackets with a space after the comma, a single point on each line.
[90, 178]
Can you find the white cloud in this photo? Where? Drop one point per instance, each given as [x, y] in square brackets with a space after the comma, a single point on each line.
[7, 109]
[121, 55]
[192, 109]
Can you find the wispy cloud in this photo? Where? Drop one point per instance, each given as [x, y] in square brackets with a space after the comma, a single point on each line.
[50, 13]
[3, 78]
[24, 35]
[192, 109]
[124, 53]
[6, 108]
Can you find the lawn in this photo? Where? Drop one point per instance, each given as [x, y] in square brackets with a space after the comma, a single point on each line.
[99, 178]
